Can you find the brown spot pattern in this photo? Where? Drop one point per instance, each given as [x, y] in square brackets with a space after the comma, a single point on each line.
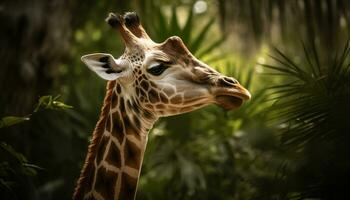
[105, 183]
[153, 96]
[119, 89]
[160, 106]
[135, 107]
[101, 148]
[108, 123]
[113, 156]
[176, 99]
[169, 91]
[118, 129]
[122, 106]
[132, 155]
[128, 187]
[163, 97]
[130, 128]
[90, 178]
[137, 122]
[114, 100]
[144, 85]
[147, 114]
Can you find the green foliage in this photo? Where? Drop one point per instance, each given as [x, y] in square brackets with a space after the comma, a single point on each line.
[45, 102]
[161, 27]
[309, 103]
[311, 110]
[12, 120]
[50, 102]
[15, 171]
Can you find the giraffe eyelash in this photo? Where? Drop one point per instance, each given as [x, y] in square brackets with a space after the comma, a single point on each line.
[158, 69]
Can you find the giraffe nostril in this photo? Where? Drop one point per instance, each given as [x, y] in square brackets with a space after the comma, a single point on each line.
[231, 80]
[227, 82]
[224, 83]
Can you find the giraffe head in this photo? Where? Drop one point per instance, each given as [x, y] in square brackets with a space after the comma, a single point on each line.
[163, 78]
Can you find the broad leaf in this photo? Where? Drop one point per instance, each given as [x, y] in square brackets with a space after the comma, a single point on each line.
[12, 120]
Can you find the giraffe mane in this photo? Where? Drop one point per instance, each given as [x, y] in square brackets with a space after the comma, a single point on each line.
[96, 137]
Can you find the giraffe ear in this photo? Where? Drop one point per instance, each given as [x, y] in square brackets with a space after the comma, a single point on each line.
[105, 65]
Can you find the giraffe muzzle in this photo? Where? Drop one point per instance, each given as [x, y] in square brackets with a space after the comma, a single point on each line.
[231, 96]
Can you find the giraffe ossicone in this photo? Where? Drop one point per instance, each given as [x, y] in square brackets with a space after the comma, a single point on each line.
[150, 80]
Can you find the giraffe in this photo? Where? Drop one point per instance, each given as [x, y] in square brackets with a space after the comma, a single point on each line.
[150, 80]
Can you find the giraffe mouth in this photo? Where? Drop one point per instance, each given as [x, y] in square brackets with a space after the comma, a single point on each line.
[228, 102]
[232, 98]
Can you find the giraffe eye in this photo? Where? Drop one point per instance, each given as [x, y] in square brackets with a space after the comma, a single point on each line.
[157, 70]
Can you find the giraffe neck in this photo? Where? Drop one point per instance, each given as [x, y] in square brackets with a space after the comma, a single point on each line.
[115, 166]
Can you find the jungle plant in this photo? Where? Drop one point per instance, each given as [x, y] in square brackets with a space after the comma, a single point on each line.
[311, 110]
[198, 42]
[15, 169]
[45, 102]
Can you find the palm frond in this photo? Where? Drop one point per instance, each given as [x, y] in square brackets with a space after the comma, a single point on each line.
[197, 42]
[306, 100]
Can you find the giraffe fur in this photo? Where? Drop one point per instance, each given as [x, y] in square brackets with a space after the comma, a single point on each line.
[150, 80]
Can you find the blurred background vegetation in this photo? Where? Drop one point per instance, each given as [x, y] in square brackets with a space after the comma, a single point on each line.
[291, 141]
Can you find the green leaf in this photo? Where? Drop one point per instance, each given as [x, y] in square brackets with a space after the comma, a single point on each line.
[314, 90]
[49, 102]
[31, 169]
[61, 105]
[32, 166]
[211, 47]
[174, 24]
[200, 38]
[12, 120]
[186, 31]
[13, 152]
